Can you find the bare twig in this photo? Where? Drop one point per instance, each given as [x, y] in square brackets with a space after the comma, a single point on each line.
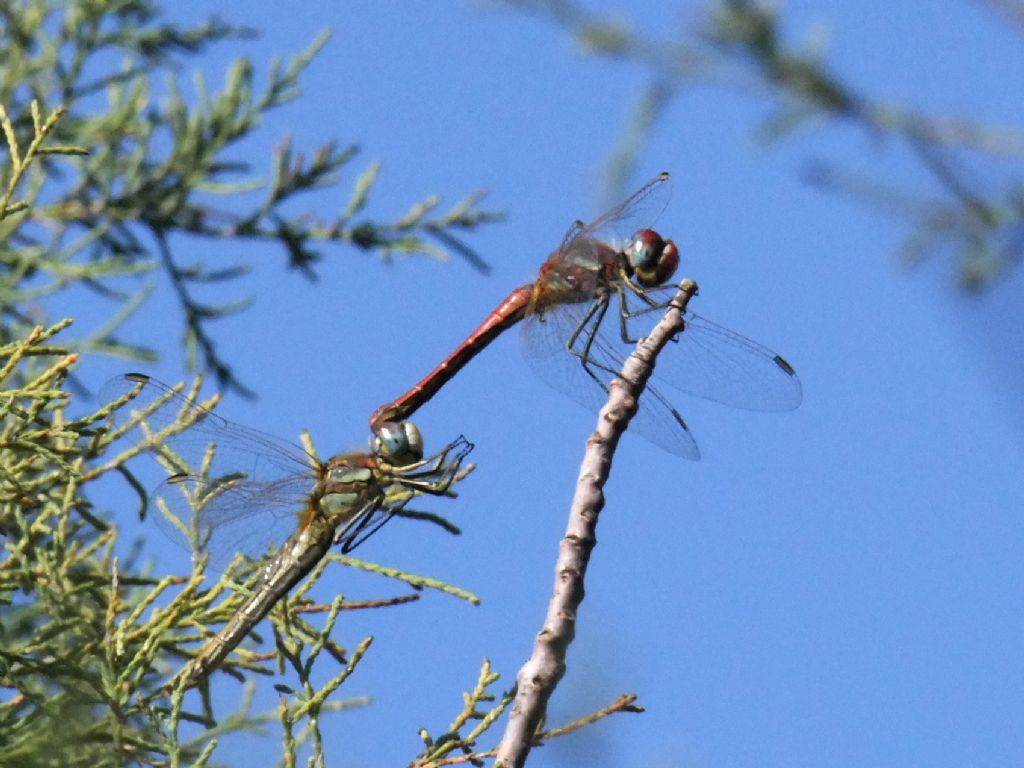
[625, 703]
[748, 47]
[540, 674]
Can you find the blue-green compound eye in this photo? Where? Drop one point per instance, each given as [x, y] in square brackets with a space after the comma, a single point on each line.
[399, 442]
[652, 260]
[643, 252]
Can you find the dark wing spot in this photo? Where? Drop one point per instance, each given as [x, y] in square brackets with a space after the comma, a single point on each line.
[779, 361]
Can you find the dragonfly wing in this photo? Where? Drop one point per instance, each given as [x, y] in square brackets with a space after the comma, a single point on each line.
[622, 222]
[230, 514]
[639, 211]
[570, 236]
[152, 415]
[715, 363]
[710, 361]
[232, 489]
[545, 338]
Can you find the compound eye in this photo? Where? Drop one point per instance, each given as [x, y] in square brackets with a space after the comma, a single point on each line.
[644, 250]
[652, 260]
[399, 442]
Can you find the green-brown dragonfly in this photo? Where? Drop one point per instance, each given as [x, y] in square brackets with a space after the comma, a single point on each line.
[235, 490]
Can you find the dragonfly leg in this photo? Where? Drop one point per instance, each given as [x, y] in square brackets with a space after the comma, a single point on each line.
[433, 487]
[436, 474]
[593, 318]
[362, 530]
[625, 314]
[626, 282]
[600, 304]
[433, 462]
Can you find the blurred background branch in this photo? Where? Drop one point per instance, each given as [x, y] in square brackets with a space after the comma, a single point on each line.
[744, 46]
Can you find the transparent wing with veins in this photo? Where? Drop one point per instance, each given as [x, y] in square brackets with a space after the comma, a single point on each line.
[617, 225]
[706, 360]
[639, 211]
[545, 337]
[228, 516]
[713, 362]
[232, 489]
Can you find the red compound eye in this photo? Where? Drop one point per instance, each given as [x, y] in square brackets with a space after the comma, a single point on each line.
[652, 260]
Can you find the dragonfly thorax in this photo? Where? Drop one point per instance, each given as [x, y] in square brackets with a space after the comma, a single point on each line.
[650, 260]
[573, 276]
[348, 484]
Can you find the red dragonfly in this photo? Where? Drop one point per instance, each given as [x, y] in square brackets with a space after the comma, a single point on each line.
[564, 310]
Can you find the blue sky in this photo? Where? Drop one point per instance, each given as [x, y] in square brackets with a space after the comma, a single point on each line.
[834, 586]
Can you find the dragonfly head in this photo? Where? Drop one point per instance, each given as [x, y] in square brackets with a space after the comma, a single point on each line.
[650, 260]
[398, 442]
